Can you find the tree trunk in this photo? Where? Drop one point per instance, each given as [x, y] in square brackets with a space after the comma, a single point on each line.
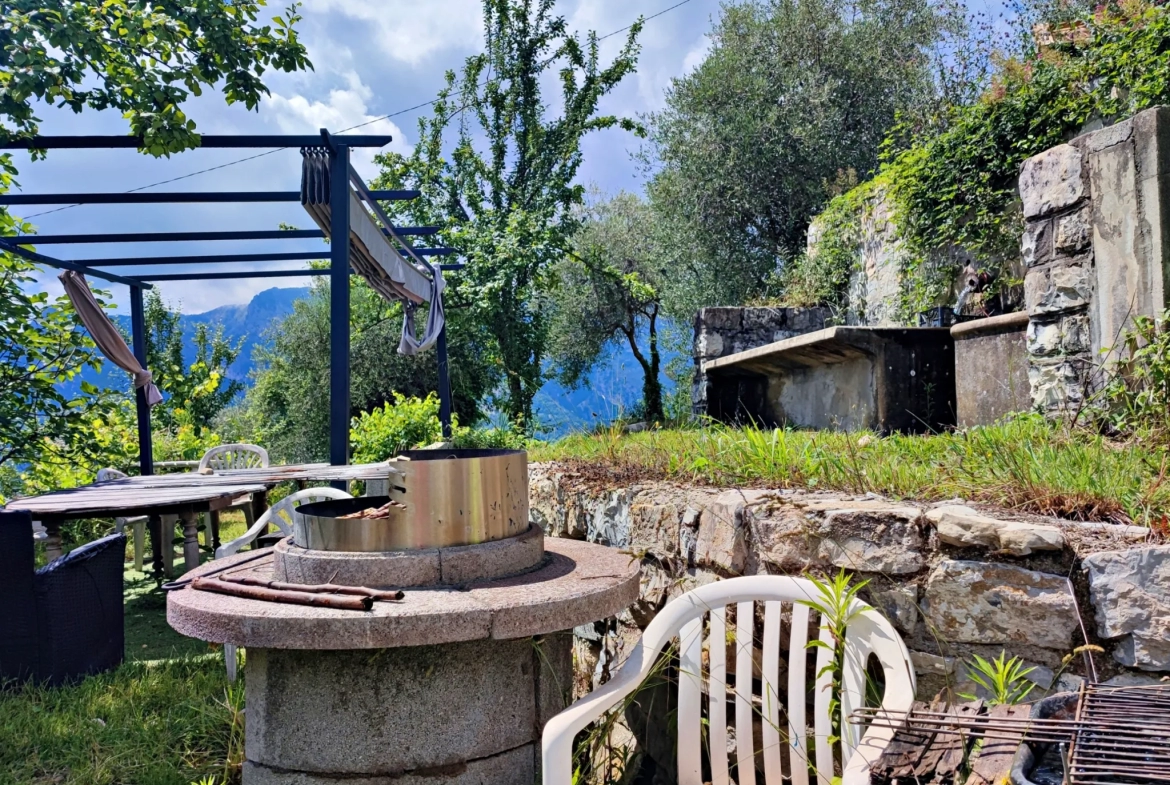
[651, 387]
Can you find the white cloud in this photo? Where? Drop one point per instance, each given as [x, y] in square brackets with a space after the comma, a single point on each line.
[409, 31]
[345, 108]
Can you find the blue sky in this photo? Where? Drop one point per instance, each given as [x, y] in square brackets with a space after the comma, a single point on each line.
[371, 58]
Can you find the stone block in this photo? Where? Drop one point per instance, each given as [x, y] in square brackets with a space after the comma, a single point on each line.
[655, 528]
[722, 538]
[390, 710]
[1052, 181]
[719, 319]
[1074, 232]
[1036, 248]
[501, 558]
[1067, 334]
[965, 527]
[1057, 385]
[883, 538]
[708, 345]
[608, 522]
[784, 540]
[1057, 288]
[900, 605]
[513, 766]
[980, 602]
[1130, 591]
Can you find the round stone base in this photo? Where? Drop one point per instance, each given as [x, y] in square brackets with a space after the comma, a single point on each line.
[461, 713]
[402, 569]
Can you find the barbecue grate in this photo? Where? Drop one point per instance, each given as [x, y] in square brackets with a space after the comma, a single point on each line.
[1122, 736]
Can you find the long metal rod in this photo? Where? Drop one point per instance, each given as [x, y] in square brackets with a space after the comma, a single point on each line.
[138, 336]
[62, 264]
[220, 141]
[235, 274]
[339, 306]
[179, 237]
[275, 256]
[180, 197]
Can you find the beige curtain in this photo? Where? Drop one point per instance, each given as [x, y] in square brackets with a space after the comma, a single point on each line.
[105, 334]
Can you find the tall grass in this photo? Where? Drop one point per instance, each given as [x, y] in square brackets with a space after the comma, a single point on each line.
[164, 723]
[1025, 463]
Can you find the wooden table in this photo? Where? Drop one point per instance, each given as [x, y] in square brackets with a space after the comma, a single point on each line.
[185, 495]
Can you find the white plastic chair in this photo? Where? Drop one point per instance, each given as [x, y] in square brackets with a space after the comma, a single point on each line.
[280, 514]
[120, 524]
[869, 633]
[226, 457]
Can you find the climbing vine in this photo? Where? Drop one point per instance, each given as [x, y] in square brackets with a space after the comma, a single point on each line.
[952, 182]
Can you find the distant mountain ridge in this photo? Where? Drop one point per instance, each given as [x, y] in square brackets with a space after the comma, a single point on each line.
[612, 389]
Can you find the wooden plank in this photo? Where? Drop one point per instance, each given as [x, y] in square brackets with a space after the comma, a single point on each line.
[994, 762]
[954, 748]
[899, 761]
[98, 502]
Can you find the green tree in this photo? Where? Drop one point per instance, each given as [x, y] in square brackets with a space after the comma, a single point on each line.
[606, 290]
[199, 390]
[287, 408]
[791, 93]
[142, 59]
[498, 168]
[42, 348]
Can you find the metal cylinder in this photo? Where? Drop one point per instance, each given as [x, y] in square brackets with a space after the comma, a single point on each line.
[451, 497]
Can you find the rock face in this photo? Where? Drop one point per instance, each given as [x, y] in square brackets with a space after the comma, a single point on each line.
[978, 602]
[964, 527]
[1131, 595]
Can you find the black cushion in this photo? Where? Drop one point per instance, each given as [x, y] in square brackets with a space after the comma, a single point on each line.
[18, 607]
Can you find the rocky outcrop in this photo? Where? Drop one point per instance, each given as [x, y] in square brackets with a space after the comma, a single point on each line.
[1131, 595]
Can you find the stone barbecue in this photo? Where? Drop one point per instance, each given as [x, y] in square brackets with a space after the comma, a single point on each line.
[450, 684]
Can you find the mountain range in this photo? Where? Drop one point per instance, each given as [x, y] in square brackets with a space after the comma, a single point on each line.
[612, 388]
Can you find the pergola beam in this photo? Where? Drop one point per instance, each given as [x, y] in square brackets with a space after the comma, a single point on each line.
[181, 197]
[179, 237]
[61, 264]
[230, 275]
[97, 142]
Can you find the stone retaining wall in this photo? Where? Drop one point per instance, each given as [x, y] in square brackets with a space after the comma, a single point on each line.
[955, 581]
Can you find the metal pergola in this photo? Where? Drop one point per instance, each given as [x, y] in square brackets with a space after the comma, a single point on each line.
[333, 209]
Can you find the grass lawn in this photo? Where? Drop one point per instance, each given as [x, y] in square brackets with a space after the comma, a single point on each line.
[1026, 463]
[168, 716]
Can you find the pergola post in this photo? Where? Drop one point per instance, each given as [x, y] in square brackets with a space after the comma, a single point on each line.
[444, 383]
[339, 306]
[138, 335]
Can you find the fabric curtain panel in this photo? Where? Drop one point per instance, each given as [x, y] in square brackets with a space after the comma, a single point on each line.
[105, 334]
[409, 345]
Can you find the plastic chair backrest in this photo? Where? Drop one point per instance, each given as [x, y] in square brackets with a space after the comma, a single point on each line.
[705, 610]
[280, 515]
[234, 456]
[107, 474]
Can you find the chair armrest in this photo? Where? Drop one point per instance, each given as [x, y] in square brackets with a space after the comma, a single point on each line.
[228, 548]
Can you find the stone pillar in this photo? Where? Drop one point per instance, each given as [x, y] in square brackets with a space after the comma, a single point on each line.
[1095, 214]
[723, 331]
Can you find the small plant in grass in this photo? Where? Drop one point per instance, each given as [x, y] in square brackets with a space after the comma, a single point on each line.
[1005, 680]
[839, 606]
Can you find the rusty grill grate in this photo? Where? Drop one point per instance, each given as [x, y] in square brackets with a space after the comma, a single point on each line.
[1121, 736]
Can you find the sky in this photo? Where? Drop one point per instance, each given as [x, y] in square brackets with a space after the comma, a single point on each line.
[371, 58]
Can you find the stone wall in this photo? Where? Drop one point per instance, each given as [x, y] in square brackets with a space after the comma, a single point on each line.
[1096, 212]
[723, 331]
[955, 580]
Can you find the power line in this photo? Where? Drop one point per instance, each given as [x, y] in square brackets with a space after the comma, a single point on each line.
[343, 130]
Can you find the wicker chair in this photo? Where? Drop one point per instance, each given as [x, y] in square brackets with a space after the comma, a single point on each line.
[227, 457]
[64, 621]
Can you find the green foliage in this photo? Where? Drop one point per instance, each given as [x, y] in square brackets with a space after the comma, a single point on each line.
[142, 59]
[160, 723]
[42, 347]
[499, 171]
[195, 393]
[606, 290]
[791, 93]
[954, 181]
[1024, 463]
[287, 407]
[838, 605]
[1004, 680]
[1137, 392]
[407, 423]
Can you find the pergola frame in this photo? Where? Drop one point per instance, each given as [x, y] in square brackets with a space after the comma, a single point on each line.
[341, 176]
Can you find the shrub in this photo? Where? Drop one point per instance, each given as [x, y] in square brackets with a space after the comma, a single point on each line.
[382, 433]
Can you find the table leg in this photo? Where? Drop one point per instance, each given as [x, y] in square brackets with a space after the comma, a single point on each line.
[190, 523]
[259, 507]
[156, 546]
[213, 529]
[52, 538]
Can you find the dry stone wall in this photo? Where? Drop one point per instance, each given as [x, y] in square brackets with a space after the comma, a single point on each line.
[955, 580]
